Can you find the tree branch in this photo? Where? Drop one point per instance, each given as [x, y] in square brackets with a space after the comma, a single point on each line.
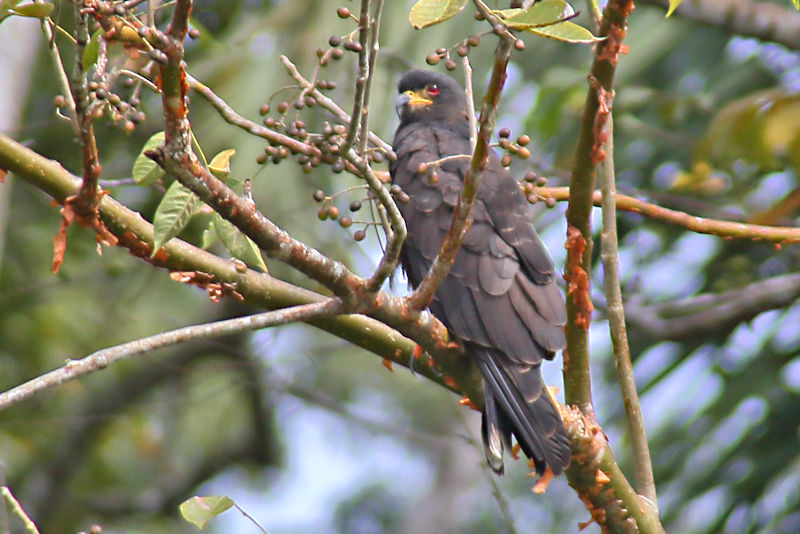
[620, 507]
[16, 507]
[103, 358]
[609, 253]
[259, 289]
[764, 20]
[328, 104]
[685, 319]
[701, 225]
[397, 225]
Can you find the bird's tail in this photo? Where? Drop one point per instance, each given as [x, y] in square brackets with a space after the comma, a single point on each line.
[516, 402]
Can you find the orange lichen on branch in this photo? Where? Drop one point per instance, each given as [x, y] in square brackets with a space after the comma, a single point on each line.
[601, 478]
[599, 131]
[576, 277]
[466, 401]
[388, 364]
[75, 210]
[540, 486]
[216, 290]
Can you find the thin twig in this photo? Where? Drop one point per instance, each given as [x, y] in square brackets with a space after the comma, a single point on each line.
[105, 357]
[645, 483]
[16, 507]
[61, 74]
[234, 118]
[473, 120]
[80, 91]
[362, 78]
[372, 51]
[327, 103]
[702, 225]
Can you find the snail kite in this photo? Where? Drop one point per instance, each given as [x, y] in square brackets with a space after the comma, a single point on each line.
[500, 298]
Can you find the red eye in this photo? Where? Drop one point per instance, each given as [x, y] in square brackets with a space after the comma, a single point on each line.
[432, 90]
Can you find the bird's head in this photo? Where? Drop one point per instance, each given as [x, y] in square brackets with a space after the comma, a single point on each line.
[426, 95]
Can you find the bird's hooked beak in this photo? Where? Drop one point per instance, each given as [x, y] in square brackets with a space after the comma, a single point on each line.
[411, 99]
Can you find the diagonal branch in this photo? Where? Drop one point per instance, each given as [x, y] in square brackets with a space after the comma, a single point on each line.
[686, 319]
[767, 21]
[136, 235]
[103, 358]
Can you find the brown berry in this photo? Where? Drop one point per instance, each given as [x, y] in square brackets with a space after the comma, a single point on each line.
[343, 12]
[450, 64]
[334, 41]
[359, 235]
[505, 161]
[432, 59]
[519, 44]
[355, 205]
[322, 214]
[319, 195]
[263, 110]
[523, 152]
[345, 222]
[283, 107]
[337, 53]
[523, 140]
[504, 133]
[333, 212]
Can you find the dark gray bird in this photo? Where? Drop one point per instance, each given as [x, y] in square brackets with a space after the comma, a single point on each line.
[500, 298]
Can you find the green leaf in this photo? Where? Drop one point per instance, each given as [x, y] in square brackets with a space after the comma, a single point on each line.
[145, 170]
[172, 214]
[90, 53]
[220, 165]
[239, 245]
[200, 510]
[429, 12]
[566, 31]
[36, 11]
[673, 4]
[545, 13]
[796, 4]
